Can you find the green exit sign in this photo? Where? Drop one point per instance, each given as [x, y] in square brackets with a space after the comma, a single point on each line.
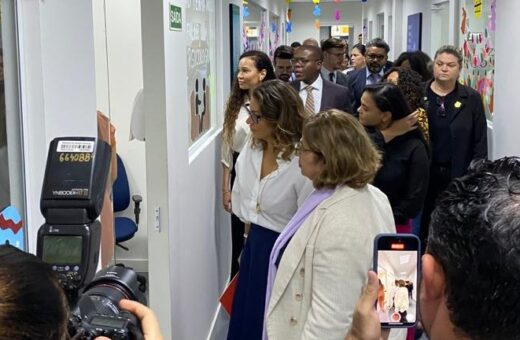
[175, 18]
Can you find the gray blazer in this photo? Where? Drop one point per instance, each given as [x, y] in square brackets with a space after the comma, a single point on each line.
[324, 266]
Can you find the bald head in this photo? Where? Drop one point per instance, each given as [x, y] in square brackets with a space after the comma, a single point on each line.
[311, 42]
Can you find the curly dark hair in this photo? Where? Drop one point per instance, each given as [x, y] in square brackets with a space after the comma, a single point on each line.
[475, 236]
[237, 96]
[410, 85]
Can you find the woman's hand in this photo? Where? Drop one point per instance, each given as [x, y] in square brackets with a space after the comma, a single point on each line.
[226, 201]
[401, 126]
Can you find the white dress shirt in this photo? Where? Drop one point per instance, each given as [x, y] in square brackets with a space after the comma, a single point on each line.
[240, 137]
[316, 91]
[273, 200]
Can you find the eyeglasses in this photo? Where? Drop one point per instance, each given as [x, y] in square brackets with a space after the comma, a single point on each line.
[441, 110]
[376, 56]
[254, 117]
[302, 61]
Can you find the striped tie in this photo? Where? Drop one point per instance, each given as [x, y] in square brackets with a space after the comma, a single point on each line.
[309, 102]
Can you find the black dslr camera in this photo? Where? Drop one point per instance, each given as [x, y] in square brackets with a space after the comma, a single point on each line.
[69, 241]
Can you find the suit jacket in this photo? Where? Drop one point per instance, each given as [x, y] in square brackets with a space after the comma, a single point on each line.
[333, 96]
[468, 128]
[341, 78]
[324, 266]
[356, 82]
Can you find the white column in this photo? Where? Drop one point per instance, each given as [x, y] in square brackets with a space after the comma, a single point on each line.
[57, 86]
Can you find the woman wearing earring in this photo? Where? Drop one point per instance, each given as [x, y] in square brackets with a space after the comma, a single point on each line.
[253, 68]
[267, 192]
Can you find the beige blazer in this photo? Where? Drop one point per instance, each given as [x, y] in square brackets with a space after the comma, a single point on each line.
[324, 267]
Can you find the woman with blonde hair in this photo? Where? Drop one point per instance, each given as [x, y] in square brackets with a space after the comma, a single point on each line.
[317, 265]
[254, 67]
[267, 192]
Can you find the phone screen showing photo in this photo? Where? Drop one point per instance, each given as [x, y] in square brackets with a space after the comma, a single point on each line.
[397, 270]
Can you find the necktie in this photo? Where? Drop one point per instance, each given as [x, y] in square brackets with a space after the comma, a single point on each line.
[374, 78]
[331, 76]
[309, 102]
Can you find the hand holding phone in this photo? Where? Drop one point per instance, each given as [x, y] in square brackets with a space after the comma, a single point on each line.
[396, 262]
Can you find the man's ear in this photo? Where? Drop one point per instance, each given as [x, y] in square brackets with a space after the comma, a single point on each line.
[433, 279]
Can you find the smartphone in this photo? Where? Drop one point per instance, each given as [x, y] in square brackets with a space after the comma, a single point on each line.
[396, 262]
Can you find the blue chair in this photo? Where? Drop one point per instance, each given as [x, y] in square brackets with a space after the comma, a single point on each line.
[125, 228]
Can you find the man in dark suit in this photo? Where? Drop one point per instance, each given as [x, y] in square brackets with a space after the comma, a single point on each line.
[333, 55]
[377, 64]
[316, 93]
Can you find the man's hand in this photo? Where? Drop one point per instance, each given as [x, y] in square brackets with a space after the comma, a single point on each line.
[365, 323]
[149, 323]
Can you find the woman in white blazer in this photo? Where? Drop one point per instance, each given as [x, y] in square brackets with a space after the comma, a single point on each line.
[319, 262]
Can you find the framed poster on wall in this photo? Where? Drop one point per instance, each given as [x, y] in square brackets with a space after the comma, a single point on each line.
[414, 32]
[200, 53]
[235, 39]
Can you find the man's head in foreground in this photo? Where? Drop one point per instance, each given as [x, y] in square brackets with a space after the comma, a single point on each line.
[471, 269]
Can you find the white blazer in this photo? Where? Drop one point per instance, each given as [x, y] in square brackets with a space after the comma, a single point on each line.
[324, 267]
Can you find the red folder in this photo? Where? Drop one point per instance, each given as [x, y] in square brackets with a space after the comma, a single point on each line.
[226, 299]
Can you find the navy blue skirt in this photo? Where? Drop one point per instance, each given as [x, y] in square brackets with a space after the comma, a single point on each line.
[247, 316]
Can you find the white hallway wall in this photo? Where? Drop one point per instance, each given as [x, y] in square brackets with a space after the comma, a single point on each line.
[57, 85]
[119, 75]
[189, 257]
[303, 19]
[355, 12]
[506, 141]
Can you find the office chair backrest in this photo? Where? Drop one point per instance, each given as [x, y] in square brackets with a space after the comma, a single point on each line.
[121, 189]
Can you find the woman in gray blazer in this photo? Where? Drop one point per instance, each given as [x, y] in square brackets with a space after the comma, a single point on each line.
[319, 262]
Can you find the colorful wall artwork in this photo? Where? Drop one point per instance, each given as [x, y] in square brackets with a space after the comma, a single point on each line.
[274, 33]
[478, 32]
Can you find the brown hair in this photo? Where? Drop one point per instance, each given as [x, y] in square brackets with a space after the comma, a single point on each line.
[237, 97]
[32, 303]
[281, 106]
[348, 153]
[332, 43]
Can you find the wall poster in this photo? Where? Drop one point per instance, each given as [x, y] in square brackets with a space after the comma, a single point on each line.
[414, 32]
[200, 23]
[478, 49]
